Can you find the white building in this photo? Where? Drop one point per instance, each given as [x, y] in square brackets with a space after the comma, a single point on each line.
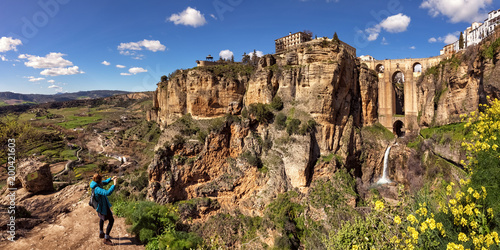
[476, 32]
[366, 58]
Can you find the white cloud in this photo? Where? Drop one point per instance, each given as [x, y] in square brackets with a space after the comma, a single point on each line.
[136, 70]
[125, 74]
[56, 88]
[384, 41]
[413, 47]
[51, 81]
[226, 54]
[393, 24]
[3, 58]
[257, 52]
[213, 16]
[52, 60]
[120, 66]
[34, 79]
[9, 43]
[188, 17]
[61, 71]
[450, 38]
[106, 63]
[458, 10]
[396, 24]
[152, 45]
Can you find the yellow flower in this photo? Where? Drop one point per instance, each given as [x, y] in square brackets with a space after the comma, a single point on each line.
[463, 222]
[423, 226]
[397, 220]
[470, 190]
[453, 202]
[355, 247]
[463, 237]
[379, 206]
[476, 195]
[411, 218]
[490, 212]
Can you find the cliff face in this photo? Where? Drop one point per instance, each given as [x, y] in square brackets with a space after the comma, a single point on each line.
[458, 85]
[198, 92]
[321, 79]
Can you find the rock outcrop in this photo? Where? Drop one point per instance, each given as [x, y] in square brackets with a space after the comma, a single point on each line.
[35, 176]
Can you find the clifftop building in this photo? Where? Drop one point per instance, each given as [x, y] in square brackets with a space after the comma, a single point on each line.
[292, 40]
[296, 39]
[475, 33]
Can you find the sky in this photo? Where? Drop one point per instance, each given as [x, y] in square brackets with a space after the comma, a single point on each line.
[51, 46]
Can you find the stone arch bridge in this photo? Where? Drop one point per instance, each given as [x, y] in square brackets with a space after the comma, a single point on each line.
[397, 90]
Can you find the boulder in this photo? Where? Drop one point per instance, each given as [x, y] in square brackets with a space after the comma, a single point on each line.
[35, 176]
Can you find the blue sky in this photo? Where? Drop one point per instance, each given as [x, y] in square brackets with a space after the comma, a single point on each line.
[49, 46]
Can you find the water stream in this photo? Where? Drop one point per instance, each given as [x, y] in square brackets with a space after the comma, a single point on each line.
[384, 179]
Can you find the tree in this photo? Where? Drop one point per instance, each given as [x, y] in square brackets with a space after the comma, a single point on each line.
[308, 34]
[255, 58]
[232, 58]
[461, 41]
[245, 59]
[336, 37]
[164, 78]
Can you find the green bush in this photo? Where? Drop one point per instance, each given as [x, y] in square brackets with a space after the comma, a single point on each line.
[261, 113]
[179, 140]
[280, 121]
[277, 103]
[202, 136]
[252, 159]
[492, 49]
[148, 219]
[293, 126]
[179, 240]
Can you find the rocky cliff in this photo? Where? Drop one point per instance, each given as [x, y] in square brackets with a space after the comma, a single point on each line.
[458, 85]
[317, 81]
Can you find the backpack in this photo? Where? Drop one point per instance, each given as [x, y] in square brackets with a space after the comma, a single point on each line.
[93, 200]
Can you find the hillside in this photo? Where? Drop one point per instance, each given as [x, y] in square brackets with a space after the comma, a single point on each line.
[9, 98]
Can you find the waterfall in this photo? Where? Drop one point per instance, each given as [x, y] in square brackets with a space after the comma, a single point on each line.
[384, 179]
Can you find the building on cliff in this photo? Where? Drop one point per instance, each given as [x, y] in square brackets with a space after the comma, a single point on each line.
[294, 40]
[475, 33]
[290, 41]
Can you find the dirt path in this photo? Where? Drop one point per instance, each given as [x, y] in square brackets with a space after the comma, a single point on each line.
[78, 229]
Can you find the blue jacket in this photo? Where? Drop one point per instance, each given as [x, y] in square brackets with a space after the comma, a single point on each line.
[101, 196]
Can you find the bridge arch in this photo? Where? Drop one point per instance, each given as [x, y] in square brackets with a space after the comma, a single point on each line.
[380, 68]
[398, 128]
[417, 67]
[398, 90]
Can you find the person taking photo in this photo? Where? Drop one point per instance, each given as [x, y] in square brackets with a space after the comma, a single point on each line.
[103, 205]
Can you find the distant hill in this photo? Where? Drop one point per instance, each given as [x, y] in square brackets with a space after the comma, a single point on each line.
[9, 98]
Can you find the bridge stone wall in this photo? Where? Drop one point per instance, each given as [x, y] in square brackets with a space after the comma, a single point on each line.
[387, 96]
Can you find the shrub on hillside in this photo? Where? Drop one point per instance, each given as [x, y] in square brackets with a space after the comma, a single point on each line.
[293, 126]
[277, 103]
[280, 121]
[260, 112]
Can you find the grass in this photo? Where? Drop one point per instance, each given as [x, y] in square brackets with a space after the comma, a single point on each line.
[379, 131]
[444, 134]
[86, 168]
[79, 122]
